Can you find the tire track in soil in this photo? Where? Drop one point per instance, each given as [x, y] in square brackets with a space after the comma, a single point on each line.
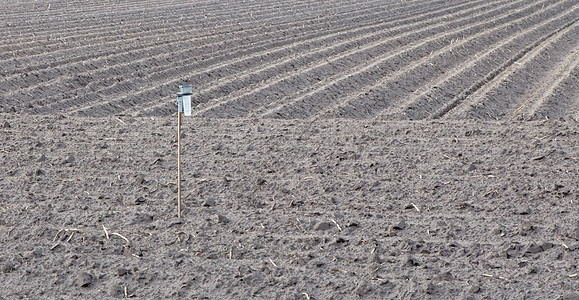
[481, 85]
[111, 107]
[445, 84]
[542, 55]
[91, 98]
[356, 104]
[294, 61]
[246, 107]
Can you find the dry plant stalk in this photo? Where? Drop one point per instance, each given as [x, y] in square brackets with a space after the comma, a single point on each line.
[122, 237]
[106, 232]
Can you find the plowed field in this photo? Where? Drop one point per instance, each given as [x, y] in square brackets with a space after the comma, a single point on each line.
[337, 149]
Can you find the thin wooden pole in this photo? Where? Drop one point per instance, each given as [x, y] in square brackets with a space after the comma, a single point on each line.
[180, 117]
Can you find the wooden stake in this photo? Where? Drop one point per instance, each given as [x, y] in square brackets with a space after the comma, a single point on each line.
[180, 117]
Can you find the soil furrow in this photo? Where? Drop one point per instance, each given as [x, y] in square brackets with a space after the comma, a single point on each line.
[177, 28]
[111, 106]
[418, 56]
[340, 44]
[563, 101]
[532, 87]
[219, 16]
[543, 95]
[343, 62]
[372, 99]
[490, 77]
[451, 79]
[162, 64]
[94, 64]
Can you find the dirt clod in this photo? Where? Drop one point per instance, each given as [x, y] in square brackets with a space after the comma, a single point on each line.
[84, 279]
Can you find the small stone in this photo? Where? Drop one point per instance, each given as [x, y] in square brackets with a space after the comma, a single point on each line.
[209, 202]
[323, 226]
[116, 291]
[221, 219]
[498, 230]
[444, 276]
[41, 158]
[429, 288]
[69, 159]
[140, 200]
[474, 289]
[547, 246]
[8, 267]
[6, 125]
[374, 258]
[411, 262]
[84, 279]
[534, 249]
[122, 271]
[362, 289]
[140, 179]
[400, 225]
[142, 218]
[472, 167]
[575, 233]
[526, 228]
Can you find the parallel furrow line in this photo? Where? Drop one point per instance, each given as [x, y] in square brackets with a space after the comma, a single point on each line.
[480, 86]
[111, 105]
[145, 49]
[351, 78]
[130, 44]
[167, 11]
[550, 49]
[335, 60]
[350, 101]
[156, 75]
[250, 24]
[146, 52]
[295, 61]
[543, 94]
[459, 71]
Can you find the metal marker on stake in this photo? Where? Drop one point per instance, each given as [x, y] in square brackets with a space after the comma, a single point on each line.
[183, 102]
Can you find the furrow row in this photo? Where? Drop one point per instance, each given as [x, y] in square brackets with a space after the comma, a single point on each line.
[351, 74]
[155, 56]
[530, 78]
[354, 42]
[490, 79]
[135, 30]
[240, 63]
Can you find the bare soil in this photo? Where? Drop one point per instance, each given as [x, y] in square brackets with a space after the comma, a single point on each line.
[337, 149]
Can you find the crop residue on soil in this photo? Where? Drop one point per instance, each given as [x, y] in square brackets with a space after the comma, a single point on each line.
[337, 149]
[275, 209]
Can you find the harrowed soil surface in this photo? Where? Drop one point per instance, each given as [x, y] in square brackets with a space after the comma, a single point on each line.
[288, 209]
[370, 149]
